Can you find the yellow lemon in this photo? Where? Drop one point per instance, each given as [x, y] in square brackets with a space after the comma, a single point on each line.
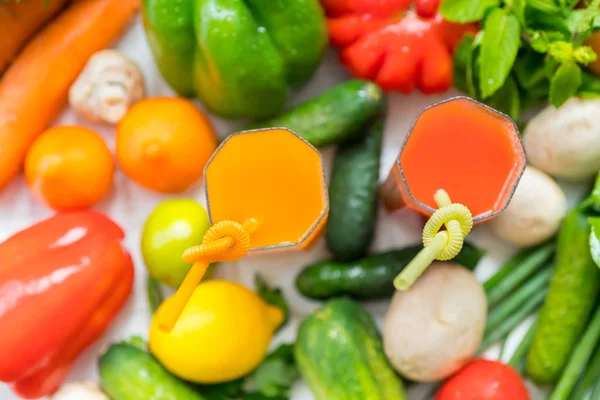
[222, 334]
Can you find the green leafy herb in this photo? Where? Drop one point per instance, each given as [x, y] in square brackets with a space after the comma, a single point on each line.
[463, 11]
[499, 48]
[595, 195]
[137, 342]
[590, 206]
[580, 21]
[272, 380]
[595, 239]
[596, 22]
[277, 373]
[539, 41]
[518, 8]
[272, 296]
[528, 52]
[222, 391]
[590, 86]
[260, 396]
[464, 76]
[547, 6]
[532, 76]
[154, 292]
[507, 99]
[564, 83]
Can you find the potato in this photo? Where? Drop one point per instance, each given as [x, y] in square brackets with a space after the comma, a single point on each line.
[435, 327]
[535, 210]
[565, 142]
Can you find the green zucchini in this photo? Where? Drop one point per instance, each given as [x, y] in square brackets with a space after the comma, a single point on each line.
[339, 354]
[369, 278]
[353, 192]
[570, 301]
[130, 373]
[335, 116]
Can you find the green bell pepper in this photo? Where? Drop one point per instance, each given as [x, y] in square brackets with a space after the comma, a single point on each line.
[239, 57]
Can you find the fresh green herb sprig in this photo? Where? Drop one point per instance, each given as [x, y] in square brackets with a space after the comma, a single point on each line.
[273, 296]
[527, 52]
[272, 380]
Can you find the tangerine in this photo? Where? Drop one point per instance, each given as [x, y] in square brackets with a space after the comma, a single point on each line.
[69, 167]
[163, 143]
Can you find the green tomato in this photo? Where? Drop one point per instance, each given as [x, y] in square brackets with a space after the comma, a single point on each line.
[173, 227]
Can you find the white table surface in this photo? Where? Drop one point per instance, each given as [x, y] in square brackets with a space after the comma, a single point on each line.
[129, 205]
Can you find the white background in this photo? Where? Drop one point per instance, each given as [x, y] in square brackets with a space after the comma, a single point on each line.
[129, 205]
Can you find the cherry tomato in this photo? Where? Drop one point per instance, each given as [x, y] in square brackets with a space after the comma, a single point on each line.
[484, 380]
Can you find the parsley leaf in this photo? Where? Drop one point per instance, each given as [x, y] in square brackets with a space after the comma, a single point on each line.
[272, 296]
[272, 380]
[223, 391]
[278, 372]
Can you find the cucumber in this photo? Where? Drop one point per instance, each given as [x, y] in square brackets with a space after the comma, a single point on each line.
[570, 301]
[353, 192]
[339, 354]
[335, 116]
[369, 278]
[130, 373]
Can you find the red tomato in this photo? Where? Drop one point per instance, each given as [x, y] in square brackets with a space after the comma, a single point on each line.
[484, 380]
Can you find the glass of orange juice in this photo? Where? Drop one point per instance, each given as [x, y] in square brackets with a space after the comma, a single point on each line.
[466, 148]
[275, 177]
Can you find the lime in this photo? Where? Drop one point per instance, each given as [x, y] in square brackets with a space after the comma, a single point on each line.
[173, 227]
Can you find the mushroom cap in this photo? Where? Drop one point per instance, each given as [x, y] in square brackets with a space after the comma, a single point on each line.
[435, 327]
[565, 142]
[535, 211]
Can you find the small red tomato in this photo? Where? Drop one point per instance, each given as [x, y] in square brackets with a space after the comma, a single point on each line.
[484, 380]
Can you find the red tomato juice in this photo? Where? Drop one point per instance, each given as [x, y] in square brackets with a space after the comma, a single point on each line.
[465, 148]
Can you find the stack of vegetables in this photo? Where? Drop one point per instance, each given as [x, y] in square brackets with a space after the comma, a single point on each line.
[242, 60]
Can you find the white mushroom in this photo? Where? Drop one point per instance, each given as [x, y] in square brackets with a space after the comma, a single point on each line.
[79, 391]
[108, 85]
[535, 210]
[435, 327]
[565, 142]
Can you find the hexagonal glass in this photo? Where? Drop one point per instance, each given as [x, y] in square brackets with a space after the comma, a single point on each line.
[274, 176]
[464, 147]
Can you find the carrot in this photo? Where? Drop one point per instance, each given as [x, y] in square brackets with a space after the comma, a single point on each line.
[34, 89]
[20, 21]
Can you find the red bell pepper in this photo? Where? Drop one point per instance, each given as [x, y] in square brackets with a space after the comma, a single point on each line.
[62, 281]
[393, 45]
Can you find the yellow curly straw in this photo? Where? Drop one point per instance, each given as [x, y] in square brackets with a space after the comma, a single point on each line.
[224, 241]
[441, 246]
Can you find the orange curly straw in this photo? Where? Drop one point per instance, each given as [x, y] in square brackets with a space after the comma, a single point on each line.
[224, 241]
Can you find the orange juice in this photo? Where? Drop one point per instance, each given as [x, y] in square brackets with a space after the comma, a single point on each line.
[271, 175]
[471, 151]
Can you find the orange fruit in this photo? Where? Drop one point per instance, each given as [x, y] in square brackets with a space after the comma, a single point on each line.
[163, 143]
[69, 167]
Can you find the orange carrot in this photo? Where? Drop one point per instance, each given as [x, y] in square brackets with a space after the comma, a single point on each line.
[20, 21]
[34, 89]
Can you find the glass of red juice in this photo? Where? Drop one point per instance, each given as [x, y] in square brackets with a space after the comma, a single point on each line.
[466, 148]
